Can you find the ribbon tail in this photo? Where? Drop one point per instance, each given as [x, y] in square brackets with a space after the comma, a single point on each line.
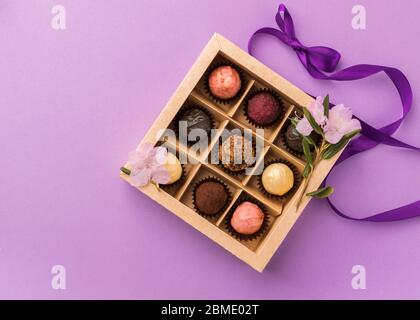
[318, 60]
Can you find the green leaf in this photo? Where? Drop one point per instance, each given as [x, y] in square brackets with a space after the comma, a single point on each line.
[326, 104]
[126, 171]
[333, 149]
[312, 121]
[294, 121]
[352, 134]
[307, 152]
[309, 140]
[307, 170]
[321, 193]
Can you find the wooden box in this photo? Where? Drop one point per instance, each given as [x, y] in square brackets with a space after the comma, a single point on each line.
[258, 252]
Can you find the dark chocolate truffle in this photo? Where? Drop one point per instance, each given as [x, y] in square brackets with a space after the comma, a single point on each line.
[293, 139]
[196, 119]
[210, 197]
[224, 82]
[236, 153]
[263, 108]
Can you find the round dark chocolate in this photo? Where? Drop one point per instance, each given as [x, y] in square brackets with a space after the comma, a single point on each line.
[210, 197]
[196, 119]
[293, 139]
[263, 108]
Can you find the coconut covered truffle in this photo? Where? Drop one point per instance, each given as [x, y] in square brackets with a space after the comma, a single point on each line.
[224, 82]
[236, 153]
[247, 218]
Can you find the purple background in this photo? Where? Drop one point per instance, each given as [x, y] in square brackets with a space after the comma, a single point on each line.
[73, 103]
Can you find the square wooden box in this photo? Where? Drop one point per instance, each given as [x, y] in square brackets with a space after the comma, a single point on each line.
[256, 253]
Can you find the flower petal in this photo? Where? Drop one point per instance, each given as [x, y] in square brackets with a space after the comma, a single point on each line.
[316, 108]
[160, 175]
[333, 136]
[161, 155]
[304, 127]
[140, 179]
[351, 126]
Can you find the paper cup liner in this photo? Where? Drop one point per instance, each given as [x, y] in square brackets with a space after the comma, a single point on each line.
[185, 108]
[207, 86]
[296, 181]
[228, 200]
[236, 173]
[275, 120]
[176, 184]
[247, 237]
[284, 143]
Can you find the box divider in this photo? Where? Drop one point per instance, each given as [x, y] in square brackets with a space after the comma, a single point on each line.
[261, 199]
[299, 162]
[280, 126]
[234, 198]
[257, 163]
[242, 98]
[193, 171]
[214, 140]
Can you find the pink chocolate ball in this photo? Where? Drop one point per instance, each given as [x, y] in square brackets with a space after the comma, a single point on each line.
[247, 218]
[224, 82]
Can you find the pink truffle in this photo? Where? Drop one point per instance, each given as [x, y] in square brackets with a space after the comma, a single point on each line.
[224, 82]
[247, 218]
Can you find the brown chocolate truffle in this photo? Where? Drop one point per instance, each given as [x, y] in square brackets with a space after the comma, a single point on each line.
[263, 108]
[247, 218]
[236, 153]
[210, 197]
[224, 82]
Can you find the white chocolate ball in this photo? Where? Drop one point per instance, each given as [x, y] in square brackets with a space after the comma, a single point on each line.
[277, 179]
[174, 168]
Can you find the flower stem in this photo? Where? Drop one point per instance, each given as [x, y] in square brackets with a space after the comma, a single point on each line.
[318, 158]
[125, 170]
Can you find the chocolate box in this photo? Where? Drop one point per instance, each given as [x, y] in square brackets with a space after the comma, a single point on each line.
[283, 213]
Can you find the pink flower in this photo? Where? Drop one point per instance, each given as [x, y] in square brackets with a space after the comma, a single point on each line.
[304, 127]
[316, 108]
[339, 123]
[146, 164]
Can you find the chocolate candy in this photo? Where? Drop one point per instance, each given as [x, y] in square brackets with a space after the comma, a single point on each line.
[173, 167]
[263, 109]
[210, 197]
[224, 82]
[247, 218]
[236, 153]
[196, 119]
[277, 179]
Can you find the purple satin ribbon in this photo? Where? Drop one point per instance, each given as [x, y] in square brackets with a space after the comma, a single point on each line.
[318, 60]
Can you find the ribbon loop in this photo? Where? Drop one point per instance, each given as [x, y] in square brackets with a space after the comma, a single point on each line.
[318, 60]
